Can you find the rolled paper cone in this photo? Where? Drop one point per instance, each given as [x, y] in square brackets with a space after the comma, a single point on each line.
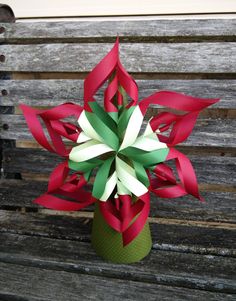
[108, 243]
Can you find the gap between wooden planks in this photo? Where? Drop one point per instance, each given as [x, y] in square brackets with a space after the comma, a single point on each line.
[136, 75]
[89, 215]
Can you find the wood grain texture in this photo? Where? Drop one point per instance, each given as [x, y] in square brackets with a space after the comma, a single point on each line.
[181, 238]
[162, 57]
[55, 92]
[29, 283]
[48, 256]
[218, 206]
[207, 132]
[220, 170]
[214, 273]
[127, 30]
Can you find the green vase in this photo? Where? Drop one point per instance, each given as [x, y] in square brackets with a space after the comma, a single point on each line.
[108, 243]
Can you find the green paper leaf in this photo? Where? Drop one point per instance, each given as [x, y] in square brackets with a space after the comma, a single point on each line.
[114, 116]
[146, 158]
[101, 178]
[124, 94]
[141, 173]
[124, 119]
[109, 137]
[84, 166]
[103, 115]
[87, 175]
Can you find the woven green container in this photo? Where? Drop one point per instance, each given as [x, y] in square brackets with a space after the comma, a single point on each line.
[108, 243]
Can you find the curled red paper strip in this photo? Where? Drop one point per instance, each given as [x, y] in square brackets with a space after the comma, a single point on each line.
[110, 65]
[165, 184]
[60, 183]
[55, 126]
[120, 213]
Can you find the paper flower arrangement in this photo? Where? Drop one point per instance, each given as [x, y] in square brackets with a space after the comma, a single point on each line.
[122, 157]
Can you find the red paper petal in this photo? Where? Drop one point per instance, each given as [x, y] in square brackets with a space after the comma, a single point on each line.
[56, 128]
[110, 65]
[60, 187]
[182, 126]
[120, 217]
[176, 101]
[166, 185]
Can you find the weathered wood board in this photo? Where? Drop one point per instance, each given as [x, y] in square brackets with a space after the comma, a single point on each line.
[37, 283]
[47, 255]
[218, 206]
[207, 132]
[54, 92]
[220, 170]
[162, 57]
[140, 30]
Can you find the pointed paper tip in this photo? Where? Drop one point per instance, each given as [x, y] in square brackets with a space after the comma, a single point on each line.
[117, 40]
[25, 109]
[22, 106]
[216, 100]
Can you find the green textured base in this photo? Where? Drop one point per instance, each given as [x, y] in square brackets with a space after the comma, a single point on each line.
[108, 243]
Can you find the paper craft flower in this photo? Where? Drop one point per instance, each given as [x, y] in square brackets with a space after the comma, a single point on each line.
[122, 157]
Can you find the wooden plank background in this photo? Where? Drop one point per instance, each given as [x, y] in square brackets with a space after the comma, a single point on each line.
[172, 58]
[193, 242]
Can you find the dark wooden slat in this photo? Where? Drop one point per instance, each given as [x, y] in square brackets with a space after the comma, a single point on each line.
[220, 170]
[187, 239]
[29, 283]
[54, 92]
[207, 132]
[164, 57]
[160, 267]
[148, 29]
[19, 193]
[218, 206]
